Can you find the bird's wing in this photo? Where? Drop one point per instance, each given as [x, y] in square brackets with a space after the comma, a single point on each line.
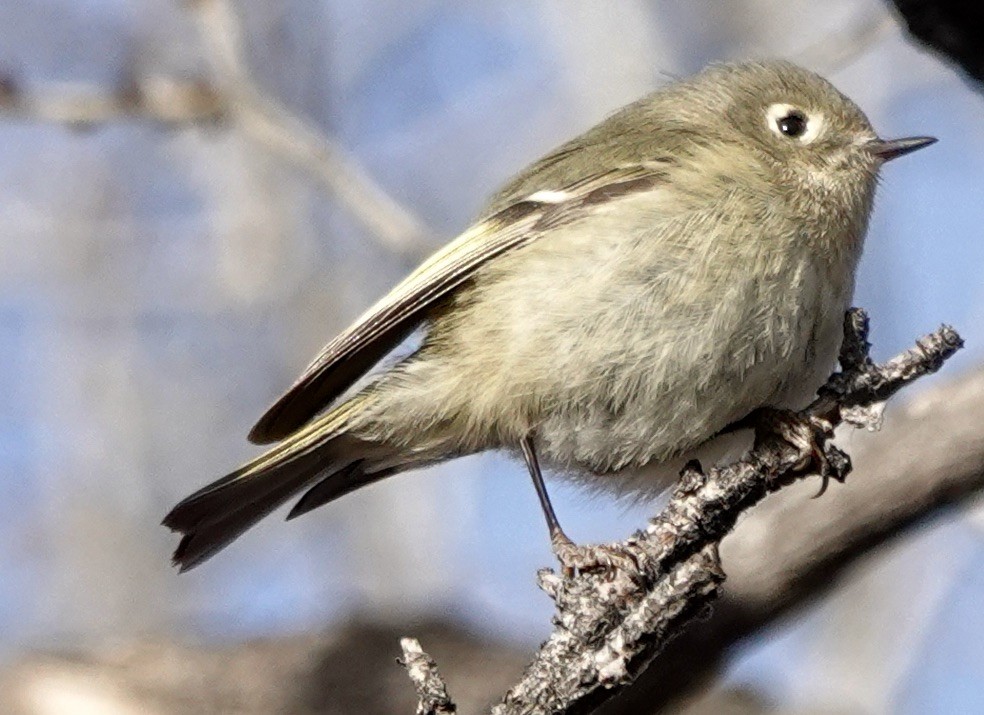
[381, 328]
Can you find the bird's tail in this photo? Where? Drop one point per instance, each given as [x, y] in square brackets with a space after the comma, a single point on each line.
[322, 458]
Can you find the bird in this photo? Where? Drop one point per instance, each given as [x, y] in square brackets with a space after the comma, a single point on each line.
[614, 309]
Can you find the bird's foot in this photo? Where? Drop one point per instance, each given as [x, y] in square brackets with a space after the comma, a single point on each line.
[809, 437]
[611, 558]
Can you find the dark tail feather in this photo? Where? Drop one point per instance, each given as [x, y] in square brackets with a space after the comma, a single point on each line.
[337, 485]
[321, 454]
[208, 527]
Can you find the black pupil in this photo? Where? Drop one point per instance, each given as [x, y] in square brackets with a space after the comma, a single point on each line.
[793, 124]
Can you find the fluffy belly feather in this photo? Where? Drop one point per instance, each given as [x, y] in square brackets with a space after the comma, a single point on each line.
[623, 362]
[658, 399]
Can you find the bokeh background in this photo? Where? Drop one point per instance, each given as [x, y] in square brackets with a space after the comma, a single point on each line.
[195, 196]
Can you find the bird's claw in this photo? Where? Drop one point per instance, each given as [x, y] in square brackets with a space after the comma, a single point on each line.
[610, 558]
[807, 435]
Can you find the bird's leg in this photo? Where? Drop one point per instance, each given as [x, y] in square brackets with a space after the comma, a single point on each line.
[807, 435]
[533, 464]
[572, 557]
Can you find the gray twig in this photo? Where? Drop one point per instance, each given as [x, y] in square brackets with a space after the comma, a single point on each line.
[610, 625]
[432, 694]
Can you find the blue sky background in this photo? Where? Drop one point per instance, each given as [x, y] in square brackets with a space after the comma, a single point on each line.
[159, 288]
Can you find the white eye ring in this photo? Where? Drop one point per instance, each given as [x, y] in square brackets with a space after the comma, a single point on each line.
[776, 113]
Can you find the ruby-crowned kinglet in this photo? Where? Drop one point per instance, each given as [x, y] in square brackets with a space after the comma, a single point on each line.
[618, 305]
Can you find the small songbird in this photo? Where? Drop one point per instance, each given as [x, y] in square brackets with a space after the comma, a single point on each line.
[617, 307]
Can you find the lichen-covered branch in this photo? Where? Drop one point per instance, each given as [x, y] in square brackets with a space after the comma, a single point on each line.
[432, 694]
[926, 464]
[611, 624]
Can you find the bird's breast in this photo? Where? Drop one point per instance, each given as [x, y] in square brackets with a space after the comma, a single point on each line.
[626, 345]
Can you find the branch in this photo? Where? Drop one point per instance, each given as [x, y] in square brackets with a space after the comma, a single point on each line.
[792, 550]
[840, 49]
[431, 691]
[236, 97]
[951, 28]
[272, 125]
[159, 99]
[611, 625]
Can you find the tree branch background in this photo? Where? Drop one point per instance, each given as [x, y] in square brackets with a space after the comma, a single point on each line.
[193, 201]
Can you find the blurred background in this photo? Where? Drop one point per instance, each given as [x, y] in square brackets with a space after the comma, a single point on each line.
[195, 196]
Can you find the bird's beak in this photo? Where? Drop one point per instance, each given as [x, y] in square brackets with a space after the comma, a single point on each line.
[888, 149]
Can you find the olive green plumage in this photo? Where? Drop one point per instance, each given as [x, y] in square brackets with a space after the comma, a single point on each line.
[622, 300]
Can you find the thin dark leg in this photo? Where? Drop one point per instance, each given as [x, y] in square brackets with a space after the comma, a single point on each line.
[529, 454]
[571, 556]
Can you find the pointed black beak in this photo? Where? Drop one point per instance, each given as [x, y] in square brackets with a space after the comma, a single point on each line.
[888, 149]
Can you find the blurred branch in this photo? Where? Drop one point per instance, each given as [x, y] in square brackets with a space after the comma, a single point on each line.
[611, 624]
[271, 124]
[160, 99]
[233, 96]
[837, 51]
[344, 669]
[950, 27]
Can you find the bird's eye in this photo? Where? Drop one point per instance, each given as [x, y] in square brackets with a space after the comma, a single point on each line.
[788, 120]
[792, 124]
